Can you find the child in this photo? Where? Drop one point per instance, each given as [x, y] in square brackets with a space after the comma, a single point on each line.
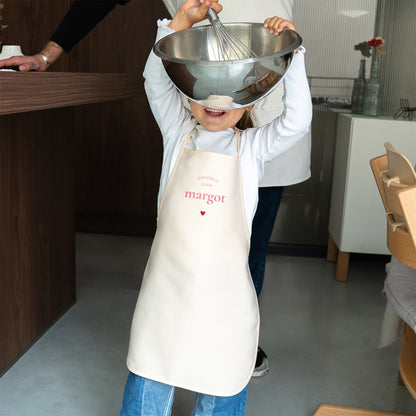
[196, 320]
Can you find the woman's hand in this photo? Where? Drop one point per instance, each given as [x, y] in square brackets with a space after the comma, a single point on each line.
[25, 63]
[276, 25]
[191, 12]
[51, 52]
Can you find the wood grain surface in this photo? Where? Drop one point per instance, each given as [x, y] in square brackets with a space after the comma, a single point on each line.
[30, 91]
[37, 249]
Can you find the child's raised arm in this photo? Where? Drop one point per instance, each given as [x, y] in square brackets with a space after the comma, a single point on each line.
[191, 12]
[278, 136]
[164, 99]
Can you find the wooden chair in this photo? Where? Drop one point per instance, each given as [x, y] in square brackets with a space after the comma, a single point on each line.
[396, 182]
[407, 359]
[334, 410]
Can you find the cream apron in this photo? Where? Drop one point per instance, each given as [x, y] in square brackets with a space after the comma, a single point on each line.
[196, 321]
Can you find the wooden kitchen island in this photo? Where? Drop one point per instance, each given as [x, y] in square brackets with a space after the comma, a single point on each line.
[37, 227]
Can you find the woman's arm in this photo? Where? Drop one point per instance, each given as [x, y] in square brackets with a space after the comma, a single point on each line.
[82, 16]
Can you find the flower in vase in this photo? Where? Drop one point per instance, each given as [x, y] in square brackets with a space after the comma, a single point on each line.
[366, 95]
[373, 93]
[378, 44]
[365, 47]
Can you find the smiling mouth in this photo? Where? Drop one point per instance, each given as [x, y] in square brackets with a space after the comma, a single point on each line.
[214, 112]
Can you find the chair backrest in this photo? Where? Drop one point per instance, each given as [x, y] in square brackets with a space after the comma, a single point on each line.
[396, 182]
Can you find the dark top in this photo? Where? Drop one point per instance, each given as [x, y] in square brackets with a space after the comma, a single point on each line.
[81, 17]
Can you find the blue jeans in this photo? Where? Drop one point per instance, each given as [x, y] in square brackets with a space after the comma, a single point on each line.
[145, 397]
[263, 222]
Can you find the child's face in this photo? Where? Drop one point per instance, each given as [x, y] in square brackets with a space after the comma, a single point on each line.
[214, 119]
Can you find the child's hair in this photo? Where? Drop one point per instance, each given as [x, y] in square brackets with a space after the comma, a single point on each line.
[246, 121]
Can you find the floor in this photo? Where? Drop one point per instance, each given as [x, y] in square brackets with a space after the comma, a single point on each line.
[321, 338]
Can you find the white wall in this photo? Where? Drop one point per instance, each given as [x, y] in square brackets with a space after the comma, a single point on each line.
[330, 29]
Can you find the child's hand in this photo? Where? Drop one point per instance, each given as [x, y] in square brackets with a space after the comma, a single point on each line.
[191, 12]
[276, 25]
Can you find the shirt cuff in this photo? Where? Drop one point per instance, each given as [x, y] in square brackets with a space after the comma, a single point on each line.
[163, 29]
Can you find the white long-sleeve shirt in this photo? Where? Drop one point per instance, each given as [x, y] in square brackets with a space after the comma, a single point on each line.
[258, 145]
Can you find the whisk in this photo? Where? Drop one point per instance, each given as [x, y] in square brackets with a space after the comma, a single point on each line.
[225, 45]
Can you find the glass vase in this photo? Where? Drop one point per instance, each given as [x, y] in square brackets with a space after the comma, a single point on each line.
[357, 97]
[373, 92]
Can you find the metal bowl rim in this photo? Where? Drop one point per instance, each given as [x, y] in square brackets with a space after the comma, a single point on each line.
[162, 55]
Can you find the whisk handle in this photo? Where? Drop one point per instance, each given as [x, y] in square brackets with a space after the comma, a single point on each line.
[212, 16]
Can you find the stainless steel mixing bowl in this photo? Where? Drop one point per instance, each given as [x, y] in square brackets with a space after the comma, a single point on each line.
[191, 61]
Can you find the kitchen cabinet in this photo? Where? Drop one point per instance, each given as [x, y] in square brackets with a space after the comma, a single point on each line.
[37, 202]
[357, 221]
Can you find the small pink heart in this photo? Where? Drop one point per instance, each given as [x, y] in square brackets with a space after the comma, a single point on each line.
[202, 212]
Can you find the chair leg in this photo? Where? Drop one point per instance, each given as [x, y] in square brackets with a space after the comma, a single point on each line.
[342, 266]
[341, 257]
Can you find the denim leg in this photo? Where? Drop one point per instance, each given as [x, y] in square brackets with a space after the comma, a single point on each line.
[207, 405]
[145, 397]
[263, 222]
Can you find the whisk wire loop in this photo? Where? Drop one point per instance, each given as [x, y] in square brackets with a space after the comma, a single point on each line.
[226, 46]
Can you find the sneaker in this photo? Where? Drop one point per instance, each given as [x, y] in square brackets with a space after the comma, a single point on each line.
[262, 364]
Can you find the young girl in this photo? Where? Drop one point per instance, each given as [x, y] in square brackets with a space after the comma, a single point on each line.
[196, 320]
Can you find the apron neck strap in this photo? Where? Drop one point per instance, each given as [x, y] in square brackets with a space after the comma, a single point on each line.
[188, 137]
[238, 135]
[236, 131]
